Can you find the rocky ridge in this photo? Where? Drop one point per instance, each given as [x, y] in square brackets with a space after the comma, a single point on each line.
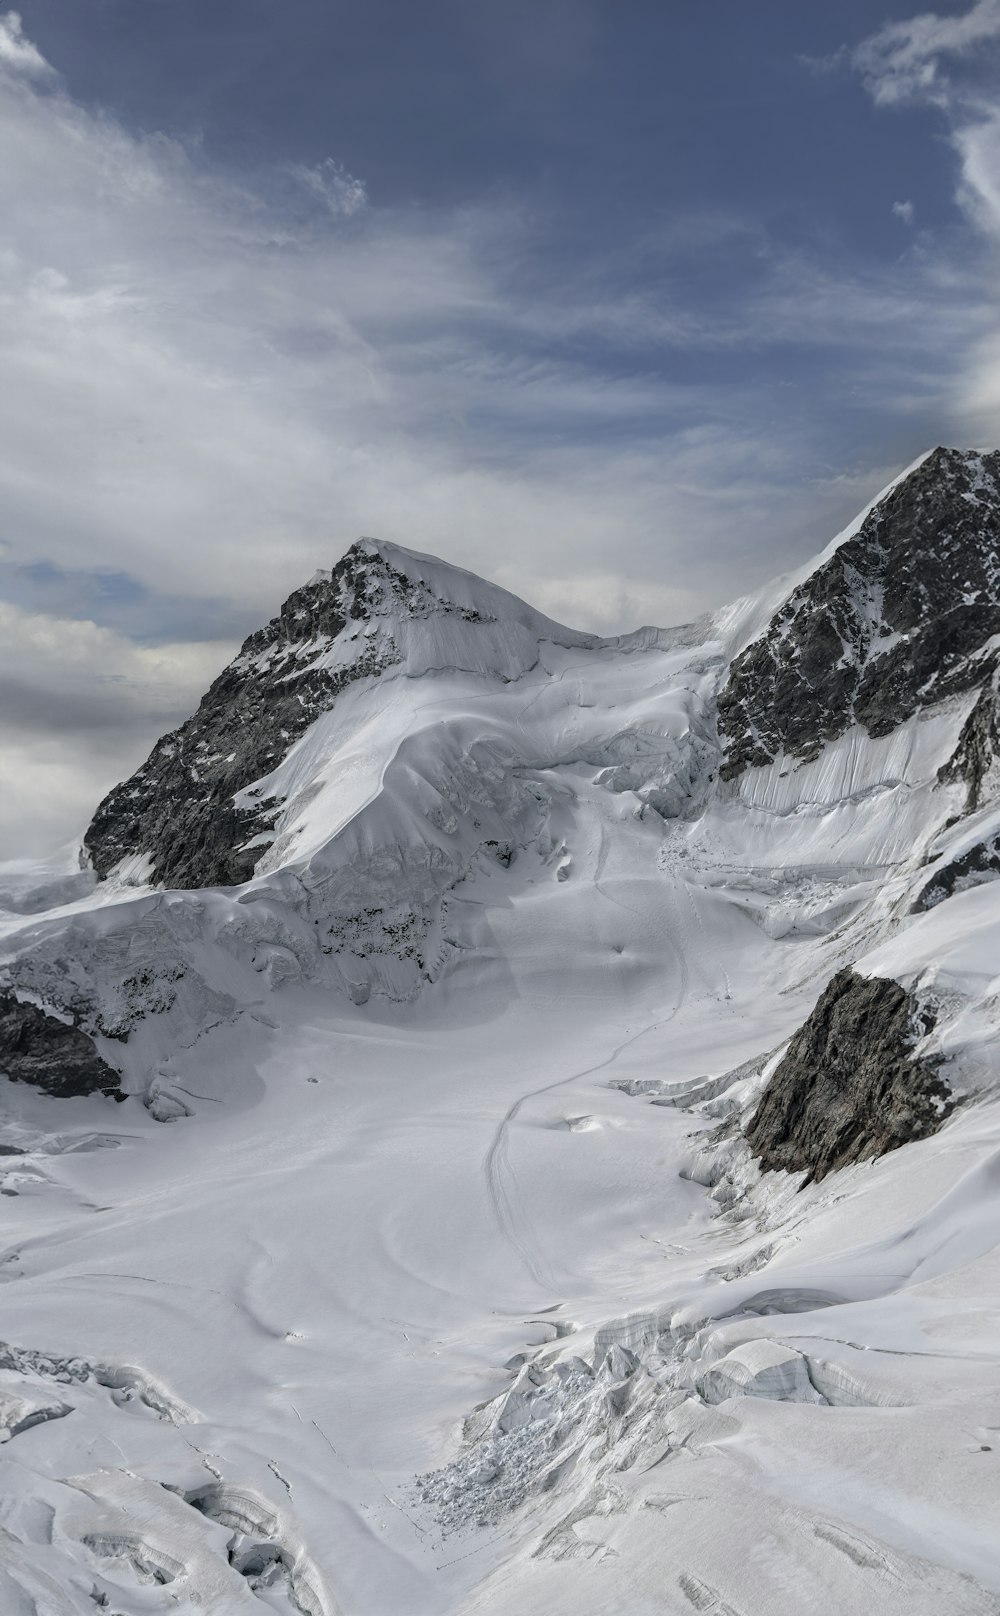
[899, 616]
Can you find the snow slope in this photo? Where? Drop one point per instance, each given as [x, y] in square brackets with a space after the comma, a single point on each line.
[426, 1269]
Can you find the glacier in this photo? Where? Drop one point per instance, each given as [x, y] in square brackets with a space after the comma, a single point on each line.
[445, 960]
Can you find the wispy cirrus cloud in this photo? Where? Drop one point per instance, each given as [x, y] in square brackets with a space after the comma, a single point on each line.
[907, 61]
[951, 64]
[340, 192]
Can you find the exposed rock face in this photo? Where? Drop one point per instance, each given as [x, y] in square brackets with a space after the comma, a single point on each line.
[849, 1087]
[890, 624]
[52, 1055]
[970, 869]
[978, 751]
[976, 763]
[179, 807]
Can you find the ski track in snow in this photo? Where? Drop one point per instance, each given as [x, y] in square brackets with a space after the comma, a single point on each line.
[501, 1178]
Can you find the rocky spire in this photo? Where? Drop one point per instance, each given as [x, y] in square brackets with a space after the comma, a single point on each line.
[896, 618]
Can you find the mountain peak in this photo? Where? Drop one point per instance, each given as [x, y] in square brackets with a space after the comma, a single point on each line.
[896, 615]
[380, 610]
[378, 580]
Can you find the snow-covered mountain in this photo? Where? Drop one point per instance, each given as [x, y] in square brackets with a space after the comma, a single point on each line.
[202, 806]
[583, 1058]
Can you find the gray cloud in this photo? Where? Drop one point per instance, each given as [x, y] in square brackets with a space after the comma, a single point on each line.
[117, 599]
[30, 708]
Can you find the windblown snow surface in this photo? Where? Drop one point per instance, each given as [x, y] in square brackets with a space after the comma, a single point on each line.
[426, 1270]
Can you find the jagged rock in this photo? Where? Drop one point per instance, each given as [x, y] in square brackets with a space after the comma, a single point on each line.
[889, 624]
[51, 1054]
[849, 1087]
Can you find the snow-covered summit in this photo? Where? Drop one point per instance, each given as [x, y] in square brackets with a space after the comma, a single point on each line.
[381, 611]
[430, 614]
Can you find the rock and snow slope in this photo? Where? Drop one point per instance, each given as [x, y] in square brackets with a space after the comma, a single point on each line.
[474, 961]
[203, 794]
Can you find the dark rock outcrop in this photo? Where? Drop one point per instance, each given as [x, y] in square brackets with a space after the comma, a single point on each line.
[972, 868]
[50, 1054]
[849, 1087]
[974, 764]
[978, 748]
[891, 623]
[179, 807]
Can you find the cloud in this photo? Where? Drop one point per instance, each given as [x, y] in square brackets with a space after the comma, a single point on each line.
[17, 53]
[976, 136]
[338, 190]
[121, 601]
[902, 62]
[904, 211]
[938, 62]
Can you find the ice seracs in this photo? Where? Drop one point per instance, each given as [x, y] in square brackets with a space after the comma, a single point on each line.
[557, 1171]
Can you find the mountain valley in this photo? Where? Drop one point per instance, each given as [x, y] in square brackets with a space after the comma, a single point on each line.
[499, 1119]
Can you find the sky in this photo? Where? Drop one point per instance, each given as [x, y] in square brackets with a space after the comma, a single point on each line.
[627, 306]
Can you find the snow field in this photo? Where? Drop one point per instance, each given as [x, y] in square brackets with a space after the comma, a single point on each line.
[425, 1270]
